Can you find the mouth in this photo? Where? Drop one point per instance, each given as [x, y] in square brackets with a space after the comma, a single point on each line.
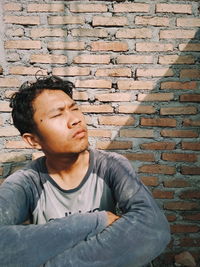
[79, 133]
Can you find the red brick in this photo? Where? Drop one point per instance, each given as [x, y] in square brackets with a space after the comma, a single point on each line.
[4, 106]
[190, 170]
[8, 131]
[114, 72]
[159, 122]
[15, 32]
[12, 7]
[190, 98]
[16, 144]
[96, 108]
[48, 32]
[136, 109]
[109, 21]
[163, 194]
[190, 73]
[140, 156]
[158, 146]
[71, 71]
[179, 183]
[179, 157]
[99, 133]
[62, 20]
[45, 7]
[191, 216]
[178, 110]
[36, 155]
[131, 7]
[176, 59]
[89, 33]
[158, 168]
[189, 47]
[154, 21]
[134, 59]
[48, 59]
[22, 44]
[58, 45]
[12, 157]
[179, 133]
[190, 194]
[93, 83]
[155, 97]
[136, 133]
[149, 180]
[80, 95]
[190, 145]
[22, 20]
[190, 242]
[193, 123]
[177, 34]
[171, 217]
[188, 22]
[92, 59]
[180, 205]
[20, 70]
[109, 46]
[135, 85]
[181, 228]
[174, 8]
[154, 72]
[141, 33]
[116, 120]
[87, 8]
[113, 145]
[9, 82]
[113, 97]
[148, 47]
[179, 85]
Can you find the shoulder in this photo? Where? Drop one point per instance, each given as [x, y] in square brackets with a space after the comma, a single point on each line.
[110, 157]
[27, 173]
[111, 163]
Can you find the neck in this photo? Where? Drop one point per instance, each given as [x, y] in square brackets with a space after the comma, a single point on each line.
[68, 172]
[67, 163]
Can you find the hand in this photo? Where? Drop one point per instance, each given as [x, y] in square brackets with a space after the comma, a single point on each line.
[111, 217]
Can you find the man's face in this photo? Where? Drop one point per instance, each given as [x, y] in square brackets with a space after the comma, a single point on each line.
[60, 124]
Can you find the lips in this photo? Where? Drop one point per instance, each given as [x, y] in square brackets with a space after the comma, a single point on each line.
[79, 133]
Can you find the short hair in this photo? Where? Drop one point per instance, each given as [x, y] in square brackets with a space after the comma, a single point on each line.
[21, 101]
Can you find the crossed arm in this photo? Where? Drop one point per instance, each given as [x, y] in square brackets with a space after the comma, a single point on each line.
[138, 236]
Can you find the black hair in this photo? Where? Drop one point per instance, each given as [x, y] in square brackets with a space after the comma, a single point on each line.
[21, 101]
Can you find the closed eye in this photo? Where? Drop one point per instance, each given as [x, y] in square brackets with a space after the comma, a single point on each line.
[56, 115]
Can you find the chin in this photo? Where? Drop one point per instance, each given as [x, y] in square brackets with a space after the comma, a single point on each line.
[81, 148]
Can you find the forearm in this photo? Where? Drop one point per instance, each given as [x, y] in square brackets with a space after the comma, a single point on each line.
[135, 239]
[33, 245]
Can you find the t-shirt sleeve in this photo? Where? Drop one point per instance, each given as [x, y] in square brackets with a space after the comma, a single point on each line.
[33, 245]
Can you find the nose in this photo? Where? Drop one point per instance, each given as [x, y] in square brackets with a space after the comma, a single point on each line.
[73, 120]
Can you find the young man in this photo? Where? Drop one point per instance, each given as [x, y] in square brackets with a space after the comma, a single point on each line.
[72, 194]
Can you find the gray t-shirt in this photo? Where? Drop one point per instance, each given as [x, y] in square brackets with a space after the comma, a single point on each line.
[69, 227]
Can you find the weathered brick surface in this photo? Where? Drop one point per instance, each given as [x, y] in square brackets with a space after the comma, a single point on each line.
[135, 66]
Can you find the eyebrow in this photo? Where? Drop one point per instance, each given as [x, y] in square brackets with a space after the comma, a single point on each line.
[61, 107]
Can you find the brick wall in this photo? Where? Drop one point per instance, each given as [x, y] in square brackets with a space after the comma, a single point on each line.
[135, 65]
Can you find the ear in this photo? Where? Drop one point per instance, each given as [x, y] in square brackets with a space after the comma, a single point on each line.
[32, 140]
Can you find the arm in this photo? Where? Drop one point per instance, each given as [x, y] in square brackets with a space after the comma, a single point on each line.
[139, 236]
[32, 245]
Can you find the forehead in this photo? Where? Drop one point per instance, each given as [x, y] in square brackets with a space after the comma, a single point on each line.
[51, 98]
